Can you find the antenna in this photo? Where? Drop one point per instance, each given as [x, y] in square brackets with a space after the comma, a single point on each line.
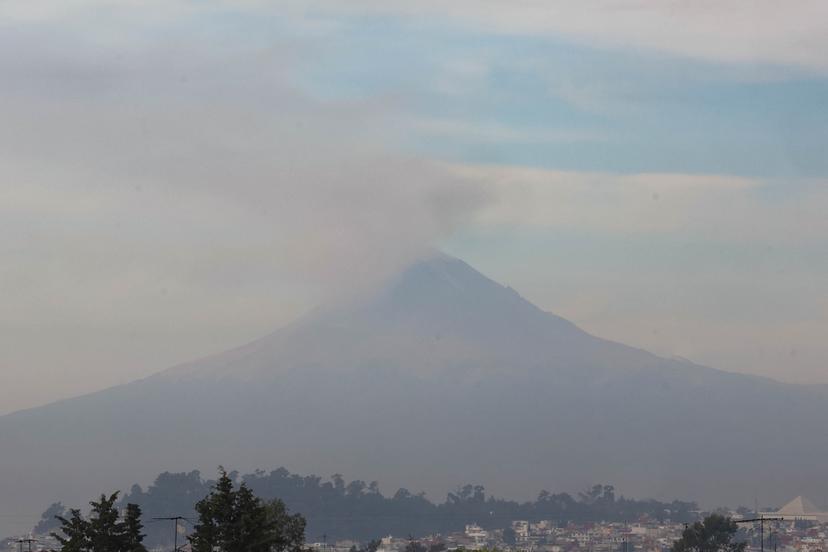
[175, 520]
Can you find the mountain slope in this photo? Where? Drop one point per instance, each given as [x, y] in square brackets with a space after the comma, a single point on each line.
[442, 377]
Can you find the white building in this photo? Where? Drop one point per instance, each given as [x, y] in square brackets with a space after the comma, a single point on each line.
[521, 529]
[477, 533]
[800, 508]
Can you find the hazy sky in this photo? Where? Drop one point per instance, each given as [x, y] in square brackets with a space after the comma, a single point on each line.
[179, 177]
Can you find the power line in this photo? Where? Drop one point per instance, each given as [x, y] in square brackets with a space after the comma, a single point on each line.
[761, 520]
[175, 520]
[29, 540]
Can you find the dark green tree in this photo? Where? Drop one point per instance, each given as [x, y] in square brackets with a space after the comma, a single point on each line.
[104, 529]
[714, 534]
[231, 520]
[74, 532]
[131, 530]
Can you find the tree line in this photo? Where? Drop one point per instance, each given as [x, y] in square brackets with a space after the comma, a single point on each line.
[358, 510]
[231, 518]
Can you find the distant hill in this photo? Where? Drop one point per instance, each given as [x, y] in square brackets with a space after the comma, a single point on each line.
[440, 376]
[337, 509]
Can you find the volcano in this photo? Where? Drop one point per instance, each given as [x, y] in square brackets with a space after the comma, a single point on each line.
[438, 378]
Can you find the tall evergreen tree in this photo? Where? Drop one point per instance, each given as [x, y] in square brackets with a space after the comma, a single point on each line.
[130, 530]
[231, 520]
[74, 536]
[104, 531]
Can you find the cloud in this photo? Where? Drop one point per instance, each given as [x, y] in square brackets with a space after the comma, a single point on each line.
[740, 31]
[493, 133]
[168, 189]
[207, 146]
[724, 270]
[185, 191]
[718, 208]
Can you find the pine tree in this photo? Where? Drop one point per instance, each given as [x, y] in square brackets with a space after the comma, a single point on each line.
[104, 529]
[215, 513]
[232, 520]
[75, 532]
[131, 537]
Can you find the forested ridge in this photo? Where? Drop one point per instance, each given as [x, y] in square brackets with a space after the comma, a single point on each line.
[358, 510]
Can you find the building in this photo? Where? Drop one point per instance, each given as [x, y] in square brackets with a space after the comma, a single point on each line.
[800, 508]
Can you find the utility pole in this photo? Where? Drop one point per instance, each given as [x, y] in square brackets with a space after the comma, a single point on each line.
[761, 520]
[30, 540]
[626, 534]
[175, 520]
